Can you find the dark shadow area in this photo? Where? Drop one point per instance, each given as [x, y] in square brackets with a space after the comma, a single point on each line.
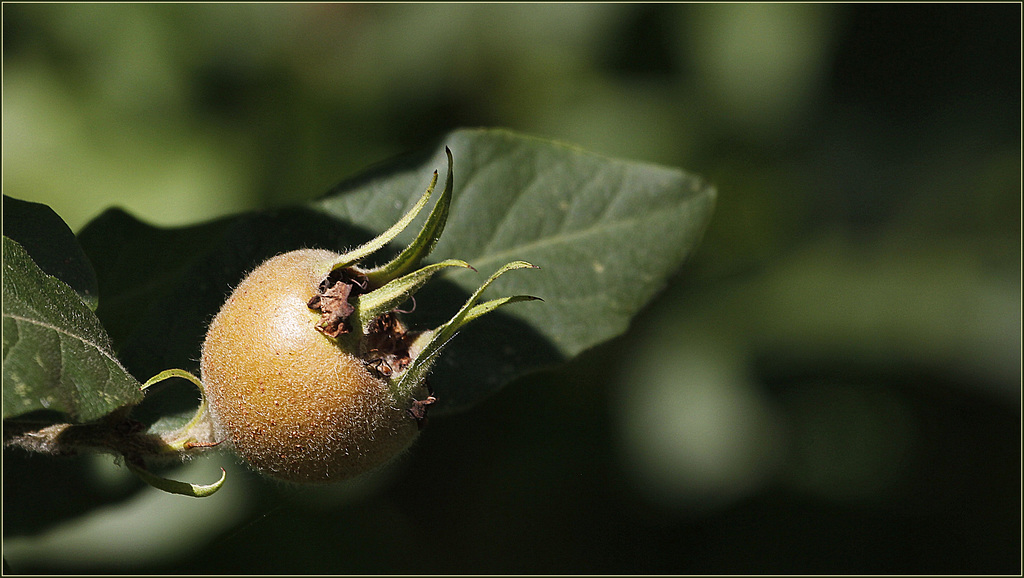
[505, 486]
[42, 491]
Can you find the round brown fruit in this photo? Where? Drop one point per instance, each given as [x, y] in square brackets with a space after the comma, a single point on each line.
[296, 404]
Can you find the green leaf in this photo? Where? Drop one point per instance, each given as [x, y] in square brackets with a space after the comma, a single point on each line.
[57, 355]
[51, 244]
[606, 234]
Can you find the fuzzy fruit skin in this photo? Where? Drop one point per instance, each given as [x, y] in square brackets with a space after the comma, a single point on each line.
[290, 400]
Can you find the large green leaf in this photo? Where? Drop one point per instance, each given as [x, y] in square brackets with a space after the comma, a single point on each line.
[57, 355]
[606, 233]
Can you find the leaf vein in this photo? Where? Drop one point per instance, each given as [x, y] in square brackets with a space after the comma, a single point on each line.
[61, 331]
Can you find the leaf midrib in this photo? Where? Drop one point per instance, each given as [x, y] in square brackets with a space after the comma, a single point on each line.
[107, 354]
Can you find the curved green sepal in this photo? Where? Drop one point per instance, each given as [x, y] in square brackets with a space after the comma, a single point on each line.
[437, 339]
[169, 373]
[481, 309]
[377, 243]
[467, 314]
[381, 300]
[176, 487]
[198, 432]
[425, 240]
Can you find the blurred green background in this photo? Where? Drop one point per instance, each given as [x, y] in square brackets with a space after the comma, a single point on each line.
[830, 385]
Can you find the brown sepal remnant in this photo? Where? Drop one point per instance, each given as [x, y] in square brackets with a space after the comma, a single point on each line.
[387, 345]
[334, 308]
[418, 411]
[332, 300]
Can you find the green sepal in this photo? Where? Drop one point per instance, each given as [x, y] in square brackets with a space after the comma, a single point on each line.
[383, 299]
[438, 338]
[377, 243]
[179, 441]
[471, 310]
[425, 240]
[169, 373]
[176, 487]
[198, 431]
[481, 309]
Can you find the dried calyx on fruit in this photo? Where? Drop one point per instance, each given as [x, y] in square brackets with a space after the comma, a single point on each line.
[308, 370]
